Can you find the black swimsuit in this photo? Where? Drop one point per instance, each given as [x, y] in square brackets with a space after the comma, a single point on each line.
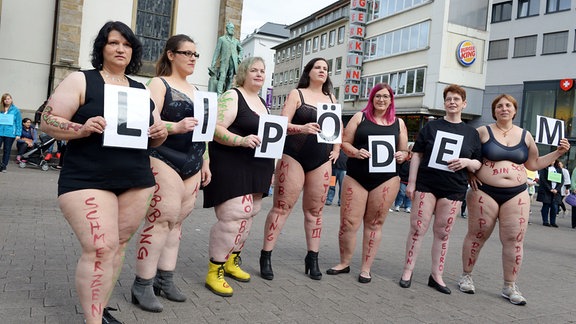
[494, 151]
[178, 151]
[305, 148]
[358, 169]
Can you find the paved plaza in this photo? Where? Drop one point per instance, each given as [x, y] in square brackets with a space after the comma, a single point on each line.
[38, 255]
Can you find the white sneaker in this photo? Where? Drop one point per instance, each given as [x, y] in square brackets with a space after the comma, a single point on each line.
[397, 208]
[466, 284]
[513, 295]
[408, 210]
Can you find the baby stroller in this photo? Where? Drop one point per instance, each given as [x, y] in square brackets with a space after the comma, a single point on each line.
[36, 155]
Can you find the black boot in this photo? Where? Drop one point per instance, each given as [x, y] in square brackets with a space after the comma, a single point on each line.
[143, 295]
[311, 264]
[266, 265]
[164, 282]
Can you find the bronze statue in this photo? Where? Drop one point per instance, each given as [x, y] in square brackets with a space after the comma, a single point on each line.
[227, 56]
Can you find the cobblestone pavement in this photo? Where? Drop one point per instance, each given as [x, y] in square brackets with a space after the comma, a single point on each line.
[38, 254]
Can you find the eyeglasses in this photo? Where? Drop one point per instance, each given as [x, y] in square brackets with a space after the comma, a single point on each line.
[189, 54]
[379, 97]
[455, 99]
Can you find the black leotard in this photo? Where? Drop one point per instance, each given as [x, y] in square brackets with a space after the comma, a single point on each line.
[178, 151]
[305, 148]
[89, 165]
[358, 168]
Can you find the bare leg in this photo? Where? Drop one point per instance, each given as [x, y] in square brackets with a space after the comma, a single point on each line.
[289, 180]
[352, 210]
[316, 187]
[379, 201]
[420, 217]
[513, 224]
[445, 213]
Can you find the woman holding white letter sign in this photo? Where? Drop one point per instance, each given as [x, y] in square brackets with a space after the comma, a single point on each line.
[444, 152]
[368, 194]
[103, 191]
[306, 166]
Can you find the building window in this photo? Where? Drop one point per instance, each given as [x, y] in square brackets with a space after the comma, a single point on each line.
[337, 93]
[286, 77]
[315, 44]
[294, 51]
[408, 39]
[299, 50]
[330, 61]
[527, 8]
[332, 38]
[297, 73]
[402, 82]
[308, 46]
[498, 49]
[323, 40]
[502, 12]
[555, 43]
[291, 76]
[288, 53]
[341, 35]
[338, 65]
[153, 28]
[557, 5]
[384, 8]
[525, 46]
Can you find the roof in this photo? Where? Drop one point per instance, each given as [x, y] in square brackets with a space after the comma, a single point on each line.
[273, 29]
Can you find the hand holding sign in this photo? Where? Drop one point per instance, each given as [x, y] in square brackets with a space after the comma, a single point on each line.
[329, 118]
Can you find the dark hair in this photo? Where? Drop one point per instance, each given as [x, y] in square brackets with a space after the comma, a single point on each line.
[304, 81]
[164, 66]
[369, 109]
[24, 120]
[102, 39]
[507, 97]
[455, 89]
[243, 68]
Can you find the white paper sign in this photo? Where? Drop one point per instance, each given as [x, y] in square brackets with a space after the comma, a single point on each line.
[205, 110]
[127, 114]
[272, 133]
[549, 131]
[329, 116]
[381, 148]
[447, 146]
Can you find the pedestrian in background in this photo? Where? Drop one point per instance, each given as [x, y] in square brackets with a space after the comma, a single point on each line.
[338, 173]
[404, 170]
[10, 128]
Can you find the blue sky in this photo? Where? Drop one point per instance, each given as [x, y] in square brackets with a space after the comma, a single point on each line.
[256, 13]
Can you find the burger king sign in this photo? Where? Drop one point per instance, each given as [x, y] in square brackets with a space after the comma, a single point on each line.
[466, 53]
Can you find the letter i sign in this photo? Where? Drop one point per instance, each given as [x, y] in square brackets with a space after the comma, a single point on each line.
[566, 84]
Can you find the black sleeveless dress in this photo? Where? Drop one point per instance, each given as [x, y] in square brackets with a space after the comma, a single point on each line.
[235, 170]
[88, 164]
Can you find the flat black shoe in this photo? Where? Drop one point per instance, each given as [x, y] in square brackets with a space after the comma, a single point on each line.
[405, 283]
[546, 224]
[554, 225]
[362, 279]
[107, 318]
[443, 289]
[337, 272]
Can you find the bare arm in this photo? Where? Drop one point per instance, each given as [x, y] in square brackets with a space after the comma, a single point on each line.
[227, 111]
[292, 103]
[536, 162]
[62, 106]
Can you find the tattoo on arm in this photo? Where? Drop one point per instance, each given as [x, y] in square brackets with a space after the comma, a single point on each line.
[222, 106]
[51, 120]
[169, 127]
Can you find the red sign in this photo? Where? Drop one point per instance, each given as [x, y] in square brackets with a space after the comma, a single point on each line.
[566, 84]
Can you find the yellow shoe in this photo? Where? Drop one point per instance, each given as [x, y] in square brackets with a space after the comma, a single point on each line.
[215, 280]
[232, 268]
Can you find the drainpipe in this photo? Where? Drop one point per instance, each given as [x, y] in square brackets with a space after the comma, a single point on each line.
[53, 53]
